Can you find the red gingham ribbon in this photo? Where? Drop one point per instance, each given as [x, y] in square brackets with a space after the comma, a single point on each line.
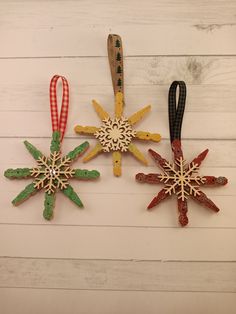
[59, 124]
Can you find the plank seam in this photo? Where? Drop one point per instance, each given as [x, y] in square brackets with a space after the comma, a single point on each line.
[116, 260]
[109, 226]
[123, 290]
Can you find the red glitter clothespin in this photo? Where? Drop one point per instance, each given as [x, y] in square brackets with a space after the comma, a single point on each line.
[180, 178]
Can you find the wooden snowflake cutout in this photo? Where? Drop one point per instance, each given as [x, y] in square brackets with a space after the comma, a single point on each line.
[51, 174]
[116, 134]
[182, 180]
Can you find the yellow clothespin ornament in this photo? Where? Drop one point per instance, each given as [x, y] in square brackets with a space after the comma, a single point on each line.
[117, 134]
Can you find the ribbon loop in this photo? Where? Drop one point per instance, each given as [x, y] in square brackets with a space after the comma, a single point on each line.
[176, 113]
[59, 123]
[115, 56]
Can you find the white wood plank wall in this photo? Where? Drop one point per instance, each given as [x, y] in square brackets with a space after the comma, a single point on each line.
[113, 256]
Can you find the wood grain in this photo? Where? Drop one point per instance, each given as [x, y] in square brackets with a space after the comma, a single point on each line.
[61, 301]
[178, 27]
[143, 243]
[217, 129]
[139, 70]
[105, 209]
[201, 98]
[117, 275]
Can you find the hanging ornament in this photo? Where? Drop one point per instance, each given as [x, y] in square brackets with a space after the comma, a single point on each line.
[116, 134]
[180, 178]
[53, 173]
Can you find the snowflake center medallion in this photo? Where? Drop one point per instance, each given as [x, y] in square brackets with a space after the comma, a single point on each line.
[52, 172]
[181, 179]
[115, 134]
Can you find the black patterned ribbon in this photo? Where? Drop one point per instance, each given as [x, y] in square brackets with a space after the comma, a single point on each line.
[176, 113]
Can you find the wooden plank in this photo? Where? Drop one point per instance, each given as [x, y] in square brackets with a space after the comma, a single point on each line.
[139, 70]
[213, 124]
[77, 41]
[210, 65]
[150, 12]
[118, 243]
[117, 275]
[36, 29]
[106, 210]
[107, 302]
[201, 98]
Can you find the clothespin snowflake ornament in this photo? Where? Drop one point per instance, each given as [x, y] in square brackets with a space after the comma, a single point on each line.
[180, 178]
[116, 134]
[53, 173]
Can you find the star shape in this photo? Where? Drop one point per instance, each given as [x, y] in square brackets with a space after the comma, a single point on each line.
[181, 179]
[51, 174]
[116, 134]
